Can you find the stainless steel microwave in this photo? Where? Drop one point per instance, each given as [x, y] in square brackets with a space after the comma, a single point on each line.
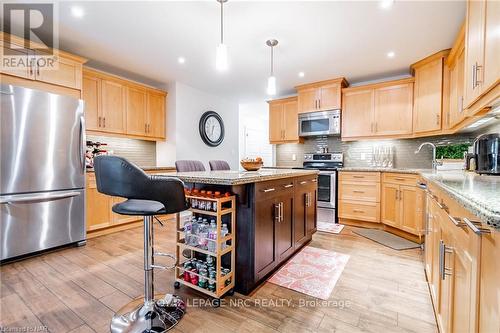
[319, 123]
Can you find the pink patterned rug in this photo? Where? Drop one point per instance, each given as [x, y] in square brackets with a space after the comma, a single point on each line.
[333, 228]
[312, 271]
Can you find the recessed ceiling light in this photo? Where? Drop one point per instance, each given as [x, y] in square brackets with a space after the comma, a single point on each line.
[391, 54]
[181, 60]
[77, 11]
[386, 4]
[301, 74]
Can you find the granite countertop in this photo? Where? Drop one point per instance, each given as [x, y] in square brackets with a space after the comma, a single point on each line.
[238, 177]
[479, 194]
[381, 169]
[147, 168]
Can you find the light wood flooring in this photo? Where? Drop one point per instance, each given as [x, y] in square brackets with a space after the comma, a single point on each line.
[78, 290]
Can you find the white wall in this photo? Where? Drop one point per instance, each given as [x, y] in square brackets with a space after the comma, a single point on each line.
[254, 132]
[185, 107]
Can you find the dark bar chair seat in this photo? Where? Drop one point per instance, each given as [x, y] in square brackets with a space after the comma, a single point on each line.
[147, 196]
[189, 166]
[216, 165]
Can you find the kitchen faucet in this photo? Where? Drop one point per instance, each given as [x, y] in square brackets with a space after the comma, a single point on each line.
[435, 162]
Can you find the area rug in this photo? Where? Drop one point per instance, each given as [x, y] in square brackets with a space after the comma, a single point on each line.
[387, 239]
[312, 271]
[333, 228]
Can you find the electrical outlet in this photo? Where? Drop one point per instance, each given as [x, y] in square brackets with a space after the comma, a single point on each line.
[294, 157]
[363, 156]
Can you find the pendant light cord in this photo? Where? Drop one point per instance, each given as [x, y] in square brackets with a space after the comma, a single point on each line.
[222, 23]
[272, 60]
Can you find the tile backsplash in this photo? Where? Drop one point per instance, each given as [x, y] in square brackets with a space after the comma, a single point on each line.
[140, 152]
[359, 153]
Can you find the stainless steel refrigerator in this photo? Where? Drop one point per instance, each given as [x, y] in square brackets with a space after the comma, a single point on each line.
[42, 174]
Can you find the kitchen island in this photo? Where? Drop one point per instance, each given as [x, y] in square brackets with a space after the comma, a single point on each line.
[276, 216]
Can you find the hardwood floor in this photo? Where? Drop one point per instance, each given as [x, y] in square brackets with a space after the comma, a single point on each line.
[78, 290]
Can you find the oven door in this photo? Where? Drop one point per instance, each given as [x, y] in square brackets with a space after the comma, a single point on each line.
[326, 189]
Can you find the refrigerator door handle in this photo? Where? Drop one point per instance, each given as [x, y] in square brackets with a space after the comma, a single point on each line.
[82, 142]
[31, 198]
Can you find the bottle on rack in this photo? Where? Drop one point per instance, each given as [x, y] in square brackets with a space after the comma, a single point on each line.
[194, 201]
[217, 195]
[223, 233]
[202, 204]
[188, 224]
[203, 235]
[212, 235]
[194, 231]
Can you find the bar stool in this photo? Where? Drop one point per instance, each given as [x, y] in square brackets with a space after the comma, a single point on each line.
[147, 196]
[189, 166]
[216, 165]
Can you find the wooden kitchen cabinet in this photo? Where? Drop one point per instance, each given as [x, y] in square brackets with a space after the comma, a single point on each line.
[305, 212]
[124, 108]
[456, 65]
[137, 121]
[113, 103]
[482, 64]
[378, 110]
[60, 68]
[284, 228]
[283, 121]
[429, 97]
[98, 207]
[357, 113]
[320, 96]
[359, 202]
[393, 109]
[402, 203]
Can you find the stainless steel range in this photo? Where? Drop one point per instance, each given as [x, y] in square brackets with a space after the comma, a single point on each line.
[327, 164]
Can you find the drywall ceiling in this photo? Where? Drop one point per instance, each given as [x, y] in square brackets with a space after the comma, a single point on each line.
[324, 39]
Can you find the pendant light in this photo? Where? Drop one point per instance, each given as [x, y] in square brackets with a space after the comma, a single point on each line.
[271, 81]
[221, 54]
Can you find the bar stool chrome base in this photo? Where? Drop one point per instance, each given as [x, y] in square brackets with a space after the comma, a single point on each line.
[149, 317]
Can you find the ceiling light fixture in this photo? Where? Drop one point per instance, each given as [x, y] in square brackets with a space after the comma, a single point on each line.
[181, 60]
[221, 53]
[391, 54]
[301, 74]
[386, 4]
[271, 81]
[77, 11]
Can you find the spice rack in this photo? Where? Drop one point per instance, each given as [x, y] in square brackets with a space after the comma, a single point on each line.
[223, 283]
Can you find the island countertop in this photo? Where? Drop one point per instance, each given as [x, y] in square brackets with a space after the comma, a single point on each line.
[238, 177]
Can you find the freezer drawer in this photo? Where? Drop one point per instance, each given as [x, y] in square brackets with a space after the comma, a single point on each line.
[39, 221]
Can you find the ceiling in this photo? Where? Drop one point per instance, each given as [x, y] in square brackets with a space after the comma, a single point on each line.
[143, 40]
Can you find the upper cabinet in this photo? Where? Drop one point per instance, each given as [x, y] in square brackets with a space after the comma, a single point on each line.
[430, 77]
[456, 66]
[117, 106]
[320, 96]
[283, 121]
[482, 49]
[60, 68]
[377, 110]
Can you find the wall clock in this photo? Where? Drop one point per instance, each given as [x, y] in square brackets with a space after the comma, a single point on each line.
[211, 128]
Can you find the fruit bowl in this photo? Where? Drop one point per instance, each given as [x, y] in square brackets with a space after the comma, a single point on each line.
[251, 165]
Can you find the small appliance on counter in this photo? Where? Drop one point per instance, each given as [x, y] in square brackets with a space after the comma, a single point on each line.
[327, 164]
[487, 154]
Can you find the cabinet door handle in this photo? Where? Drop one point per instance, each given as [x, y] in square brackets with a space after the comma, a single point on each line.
[303, 182]
[288, 185]
[358, 176]
[103, 121]
[267, 190]
[474, 73]
[478, 68]
[376, 127]
[98, 121]
[400, 179]
[319, 103]
[277, 212]
[473, 225]
[357, 191]
[438, 117]
[397, 197]
[358, 211]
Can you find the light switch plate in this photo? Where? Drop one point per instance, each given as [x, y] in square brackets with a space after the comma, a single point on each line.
[363, 156]
[294, 157]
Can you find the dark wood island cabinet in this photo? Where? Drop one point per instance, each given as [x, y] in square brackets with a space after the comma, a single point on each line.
[276, 216]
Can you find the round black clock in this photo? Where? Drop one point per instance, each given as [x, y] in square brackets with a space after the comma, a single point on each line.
[211, 128]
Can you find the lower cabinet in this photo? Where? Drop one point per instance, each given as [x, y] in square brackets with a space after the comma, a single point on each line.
[452, 264]
[359, 196]
[285, 219]
[402, 203]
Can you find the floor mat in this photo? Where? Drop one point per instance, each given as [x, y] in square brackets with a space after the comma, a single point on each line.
[312, 272]
[333, 228]
[387, 239]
